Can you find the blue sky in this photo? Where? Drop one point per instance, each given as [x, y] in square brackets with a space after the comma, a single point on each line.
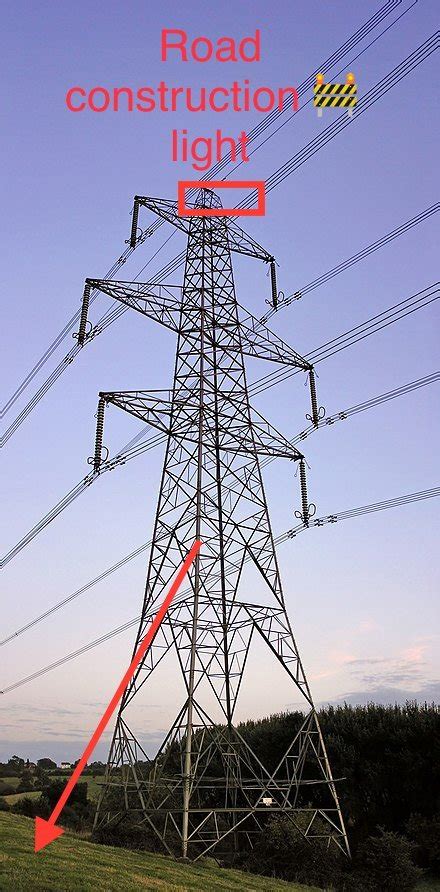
[361, 594]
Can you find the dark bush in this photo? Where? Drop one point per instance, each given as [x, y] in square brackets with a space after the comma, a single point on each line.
[96, 769]
[28, 807]
[24, 787]
[53, 792]
[9, 769]
[425, 833]
[384, 864]
[389, 759]
[17, 763]
[283, 851]
[79, 811]
[3, 804]
[126, 835]
[46, 764]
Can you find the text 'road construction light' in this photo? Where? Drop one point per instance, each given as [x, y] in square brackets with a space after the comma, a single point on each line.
[84, 315]
[307, 510]
[99, 435]
[134, 223]
[335, 95]
[317, 412]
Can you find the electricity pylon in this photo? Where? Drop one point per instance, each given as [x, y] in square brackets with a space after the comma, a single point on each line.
[206, 789]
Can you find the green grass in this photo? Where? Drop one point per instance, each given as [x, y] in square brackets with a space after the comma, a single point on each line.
[11, 781]
[14, 797]
[73, 865]
[92, 789]
[93, 783]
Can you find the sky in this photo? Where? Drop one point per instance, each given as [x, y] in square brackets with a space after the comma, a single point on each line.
[361, 594]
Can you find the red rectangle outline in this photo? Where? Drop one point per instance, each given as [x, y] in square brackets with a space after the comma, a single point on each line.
[258, 211]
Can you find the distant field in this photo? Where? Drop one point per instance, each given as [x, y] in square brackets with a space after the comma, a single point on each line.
[12, 781]
[14, 797]
[93, 785]
[73, 865]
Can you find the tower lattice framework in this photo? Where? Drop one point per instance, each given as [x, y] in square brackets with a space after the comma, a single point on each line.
[206, 790]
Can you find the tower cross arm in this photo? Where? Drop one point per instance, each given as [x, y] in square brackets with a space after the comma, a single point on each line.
[153, 409]
[239, 240]
[156, 301]
[167, 210]
[242, 243]
[261, 439]
[156, 409]
[261, 342]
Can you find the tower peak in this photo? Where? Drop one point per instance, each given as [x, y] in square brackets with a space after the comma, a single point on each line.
[206, 198]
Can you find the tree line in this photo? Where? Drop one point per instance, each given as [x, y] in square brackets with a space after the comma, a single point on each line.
[388, 760]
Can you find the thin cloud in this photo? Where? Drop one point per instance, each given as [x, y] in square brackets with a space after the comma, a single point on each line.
[386, 695]
[367, 662]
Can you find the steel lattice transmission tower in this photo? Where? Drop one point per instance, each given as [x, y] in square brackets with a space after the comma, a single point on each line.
[206, 789]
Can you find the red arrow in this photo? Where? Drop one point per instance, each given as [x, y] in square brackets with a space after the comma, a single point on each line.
[46, 831]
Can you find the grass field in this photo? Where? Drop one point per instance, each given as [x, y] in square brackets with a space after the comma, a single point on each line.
[11, 781]
[12, 798]
[72, 865]
[92, 789]
[93, 783]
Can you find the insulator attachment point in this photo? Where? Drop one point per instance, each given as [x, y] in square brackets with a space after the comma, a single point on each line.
[273, 283]
[82, 332]
[307, 511]
[318, 412]
[97, 458]
[134, 223]
[87, 333]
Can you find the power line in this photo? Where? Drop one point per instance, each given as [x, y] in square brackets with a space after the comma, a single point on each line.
[326, 66]
[330, 420]
[348, 339]
[396, 502]
[139, 448]
[330, 348]
[253, 134]
[97, 330]
[115, 312]
[105, 320]
[351, 337]
[76, 594]
[77, 490]
[354, 335]
[354, 259]
[303, 88]
[243, 546]
[347, 66]
[379, 90]
[403, 390]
